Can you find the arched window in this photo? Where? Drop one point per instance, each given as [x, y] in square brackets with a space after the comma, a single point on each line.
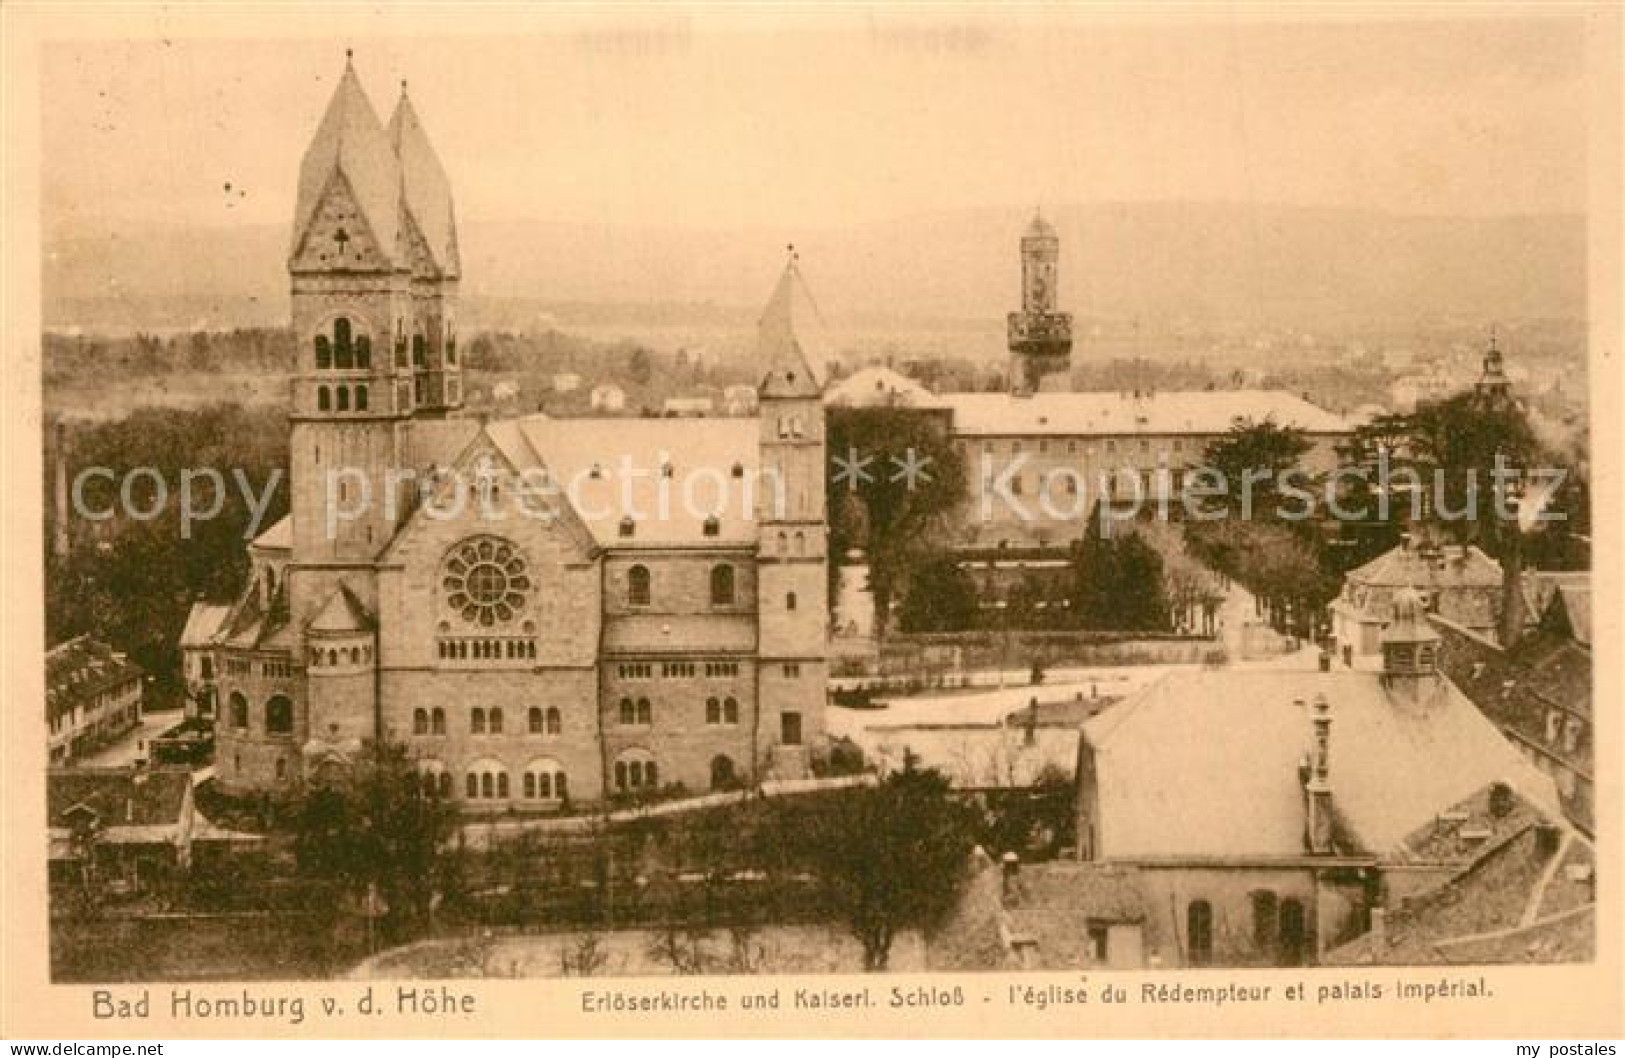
[239, 709]
[544, 780]
[279, 715]
[281, 768]
[713, 711]
[361, 398]
[324, 400]
[476, 721]
[722, 773]
[363, 352]
[420, 351]
[637, 586]
[789, 600]
[473, 785]
[420, 721]
[722, 585]
[801, 542]
[343, 395]
[496, 721]
[1199, 933]
[502, 784]
[635, 770]
[645, 712]
[534, 721]
[628, 711]
[332, 656]
[324, 352]
[443, 785]
[488, 784]
[730, 710]
[555, 721]
[437, 721]
[400, 344]
[343, 352]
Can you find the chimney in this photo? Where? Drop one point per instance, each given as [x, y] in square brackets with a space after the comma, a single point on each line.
[59, 538]
[1512, 603]
[1318, 789]
[1548, 838]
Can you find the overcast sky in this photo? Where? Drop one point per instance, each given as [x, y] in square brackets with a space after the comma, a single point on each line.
[688, 123]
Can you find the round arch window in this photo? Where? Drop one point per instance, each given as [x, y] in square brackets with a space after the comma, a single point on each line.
[486, 581]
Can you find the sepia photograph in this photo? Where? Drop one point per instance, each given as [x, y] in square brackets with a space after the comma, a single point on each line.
[883, 499]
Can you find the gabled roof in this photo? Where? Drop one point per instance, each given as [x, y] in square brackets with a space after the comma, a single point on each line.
[1200, 412]
[342, 612]
[277, 538]
[1228, 784]
[81, 668]
[204, 622]
[793, 349]
[428, 191]
[350, 144]
[1494, 911]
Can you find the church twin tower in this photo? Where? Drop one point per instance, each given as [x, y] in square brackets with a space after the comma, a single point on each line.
[523, 663]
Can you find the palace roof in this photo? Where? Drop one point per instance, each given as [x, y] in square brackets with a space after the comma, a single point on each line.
[1200, 412]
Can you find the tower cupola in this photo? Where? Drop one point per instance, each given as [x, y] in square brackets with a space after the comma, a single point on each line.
[1040, 335]
[1410, 648]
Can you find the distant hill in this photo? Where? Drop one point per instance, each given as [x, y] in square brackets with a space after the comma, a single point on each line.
[1201, 263]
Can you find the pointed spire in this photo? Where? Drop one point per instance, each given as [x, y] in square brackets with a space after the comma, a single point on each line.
[425, 186]
[792, 344]
[350, 143]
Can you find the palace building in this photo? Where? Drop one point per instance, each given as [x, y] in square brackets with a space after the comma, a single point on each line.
[541, 610]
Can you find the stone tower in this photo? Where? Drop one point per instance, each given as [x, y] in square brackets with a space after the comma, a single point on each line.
[1040, 336]
[792, 589]
[373, 268]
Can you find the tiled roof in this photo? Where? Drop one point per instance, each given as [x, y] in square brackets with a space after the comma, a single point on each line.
[1491, 912]
[1409, 565]
[117, 796]
[1228, 785]
[1108, 893]
[1200, 412]
[80, 668]
[350, 143]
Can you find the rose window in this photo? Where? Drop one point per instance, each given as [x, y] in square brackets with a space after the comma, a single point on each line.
[486, 581]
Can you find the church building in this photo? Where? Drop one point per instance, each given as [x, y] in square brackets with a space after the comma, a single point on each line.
[544, 611]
